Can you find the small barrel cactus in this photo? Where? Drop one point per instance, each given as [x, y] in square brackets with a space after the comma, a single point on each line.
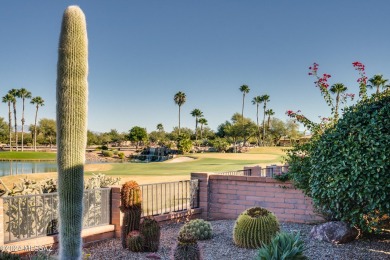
[150, 230]
[187, 248]
[255, 227]
[199, 228]
[131, 198]
[135, 241]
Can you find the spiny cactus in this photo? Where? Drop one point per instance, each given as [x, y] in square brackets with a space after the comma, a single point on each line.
[187, 248]
[135, 241]
[131, 198]
[72, 96]
[255, 227]
[150, 230]
[199, 228]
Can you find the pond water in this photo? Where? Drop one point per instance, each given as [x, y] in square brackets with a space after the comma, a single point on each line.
[26, 167]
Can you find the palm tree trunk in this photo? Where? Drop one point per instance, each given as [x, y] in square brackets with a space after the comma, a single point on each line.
[258, 127]
[265, 106]
[16, 130]
[242, 111]
[179, 120]
[377, 89]
[196, 128]
[35, 130]
[268, 123]
[22, 124]
[9, 125]
[201, 131]
[336, 114]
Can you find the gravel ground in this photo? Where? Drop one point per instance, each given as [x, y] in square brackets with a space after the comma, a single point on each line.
[221, 246]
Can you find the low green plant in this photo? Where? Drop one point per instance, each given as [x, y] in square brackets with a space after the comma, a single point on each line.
[284, 246]
[199, 228]
[282, 177]
[115, 152]
[9, 256]
[255, 227]
[104, 147]
[107, 153]
[121, 155]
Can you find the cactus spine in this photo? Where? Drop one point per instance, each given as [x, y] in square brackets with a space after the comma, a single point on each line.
[131, 199]
[72, 96]
[255, 227]
[187, 248]
[150, 230]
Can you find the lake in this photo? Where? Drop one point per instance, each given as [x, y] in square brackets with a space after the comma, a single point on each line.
[26, 167]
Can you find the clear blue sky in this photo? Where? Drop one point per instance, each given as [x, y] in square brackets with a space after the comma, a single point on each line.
[142, 52]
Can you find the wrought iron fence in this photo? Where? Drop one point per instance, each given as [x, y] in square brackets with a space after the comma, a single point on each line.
[247, 172]
[30, 216]
[271, 171]
[167, 197]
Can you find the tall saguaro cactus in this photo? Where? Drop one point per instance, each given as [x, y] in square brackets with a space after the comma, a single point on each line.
[72, 95]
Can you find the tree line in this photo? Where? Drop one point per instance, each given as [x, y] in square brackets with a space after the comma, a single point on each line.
[11, 98]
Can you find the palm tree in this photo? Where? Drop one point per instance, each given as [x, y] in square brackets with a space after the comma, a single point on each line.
[202, 121]
[9, 99]
[180, 99]
[196, 113]
[377, 81]
[269, 113]
[160, 127]
[245, 90]
[23, 94]
[257, 101]
[337, 89]
[264, 99]
[38, 102]
[14, 93]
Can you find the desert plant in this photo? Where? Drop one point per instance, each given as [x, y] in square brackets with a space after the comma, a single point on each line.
[150, 230]
[9, 256]
[199, 228]
[72, 96]
[115, 152]
[131, 199]
[107, 153]
[121, 155]
[135, 241]
[284, 246]
[255, 227]
[187, 248]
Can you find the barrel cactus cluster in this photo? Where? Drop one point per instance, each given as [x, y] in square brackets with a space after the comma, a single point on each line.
[201, 229]
[137, 236]
[255, 227]
[187, 247]
[131, 199]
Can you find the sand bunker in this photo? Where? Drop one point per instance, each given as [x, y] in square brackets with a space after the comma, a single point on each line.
[180, 159]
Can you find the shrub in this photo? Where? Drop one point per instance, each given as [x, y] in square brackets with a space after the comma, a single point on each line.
[9, 256]
[199, 228]
[282, 247]
[104, 147]
[115, 152]
[107, 153]
[255, 227]
[351, 165]
[121, 155]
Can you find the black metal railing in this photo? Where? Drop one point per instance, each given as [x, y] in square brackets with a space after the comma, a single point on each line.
[247, 172]
[271, 171]
[167, 197]
[36, 215]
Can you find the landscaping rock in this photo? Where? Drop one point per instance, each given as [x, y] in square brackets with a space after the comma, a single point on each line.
[336, 232]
